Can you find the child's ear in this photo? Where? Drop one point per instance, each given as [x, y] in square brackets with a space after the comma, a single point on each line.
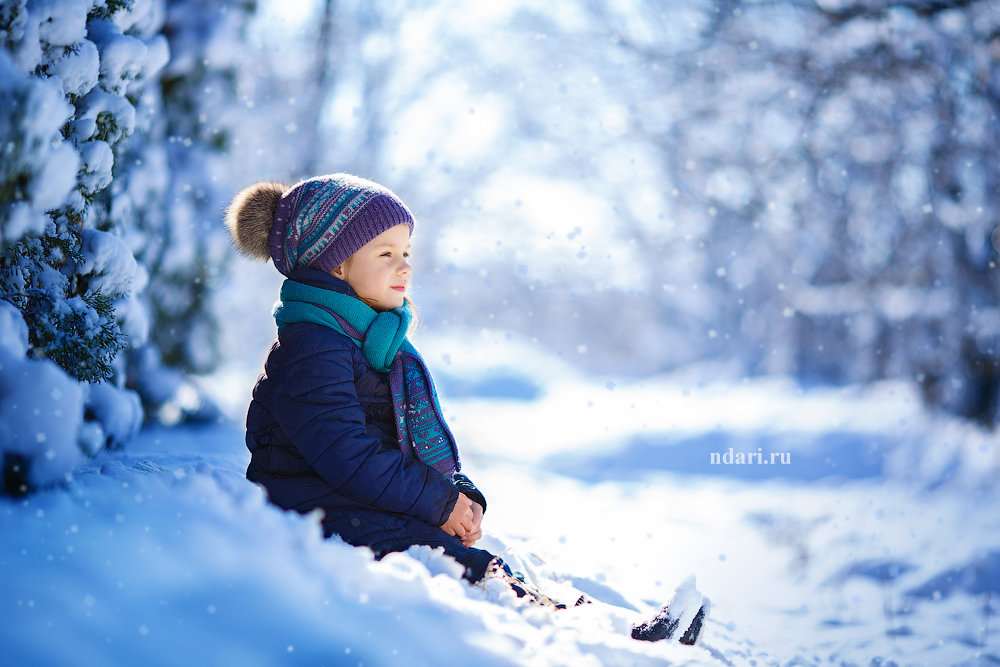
[338, 272]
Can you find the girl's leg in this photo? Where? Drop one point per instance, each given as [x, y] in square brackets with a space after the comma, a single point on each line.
[388, 533]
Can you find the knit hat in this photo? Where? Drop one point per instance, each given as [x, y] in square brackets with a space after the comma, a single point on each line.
[319, 222]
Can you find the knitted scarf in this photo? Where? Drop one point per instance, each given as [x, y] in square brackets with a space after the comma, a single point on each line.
[420, 426]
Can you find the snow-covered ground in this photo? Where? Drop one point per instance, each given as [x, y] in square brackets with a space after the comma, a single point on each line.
[875, 544]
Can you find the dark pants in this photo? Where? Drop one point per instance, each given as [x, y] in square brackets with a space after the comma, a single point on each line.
[386, 533]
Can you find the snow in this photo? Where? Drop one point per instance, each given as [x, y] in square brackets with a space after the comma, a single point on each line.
[157, 56]
[78, 68]
[108, 264]
[60, 22]
[121, 112]
[98, 161]
[26, 51]
[45, 109]
[686, 603]
[117, 413]
[13, 331]
[122, 56]
[19, 219]
[29, 132]
[54, 181]
[40, 411]
[165, 549]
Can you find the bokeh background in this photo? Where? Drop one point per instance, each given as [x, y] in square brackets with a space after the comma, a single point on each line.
[792, 188]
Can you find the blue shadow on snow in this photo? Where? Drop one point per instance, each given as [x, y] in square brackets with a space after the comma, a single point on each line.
[833, 456]
[498, 384]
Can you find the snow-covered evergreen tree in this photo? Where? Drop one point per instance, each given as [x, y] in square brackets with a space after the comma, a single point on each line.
[101, 168]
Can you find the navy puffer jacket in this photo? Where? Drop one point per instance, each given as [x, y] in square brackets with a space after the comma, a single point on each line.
[321, 433]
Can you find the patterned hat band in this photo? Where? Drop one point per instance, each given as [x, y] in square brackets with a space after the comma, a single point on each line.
[322, 221]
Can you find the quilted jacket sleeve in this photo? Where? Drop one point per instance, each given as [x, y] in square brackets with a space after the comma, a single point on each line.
[466, 486]
[318, 409]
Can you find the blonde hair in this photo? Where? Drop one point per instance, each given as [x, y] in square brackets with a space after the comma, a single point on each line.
[415, 320]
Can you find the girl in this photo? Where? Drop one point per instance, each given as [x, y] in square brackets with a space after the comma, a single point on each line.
[345, 417]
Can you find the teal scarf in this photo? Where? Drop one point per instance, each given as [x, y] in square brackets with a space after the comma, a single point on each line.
[420, 426]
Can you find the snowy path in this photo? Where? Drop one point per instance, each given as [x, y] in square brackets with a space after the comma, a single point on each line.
[164, 554]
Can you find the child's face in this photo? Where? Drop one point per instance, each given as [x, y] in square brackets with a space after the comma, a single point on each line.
[379, 272]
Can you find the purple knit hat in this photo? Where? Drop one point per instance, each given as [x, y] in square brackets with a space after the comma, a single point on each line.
[322, 221]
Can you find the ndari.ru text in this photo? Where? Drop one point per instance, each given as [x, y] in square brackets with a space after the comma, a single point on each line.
[759, 457]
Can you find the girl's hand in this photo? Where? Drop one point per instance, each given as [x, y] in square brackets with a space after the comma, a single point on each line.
[462, 520]
[477, 525]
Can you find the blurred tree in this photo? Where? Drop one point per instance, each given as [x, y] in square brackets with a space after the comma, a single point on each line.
[829, 192]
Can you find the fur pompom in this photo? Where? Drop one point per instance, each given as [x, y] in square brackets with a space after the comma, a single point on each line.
[250, 217]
